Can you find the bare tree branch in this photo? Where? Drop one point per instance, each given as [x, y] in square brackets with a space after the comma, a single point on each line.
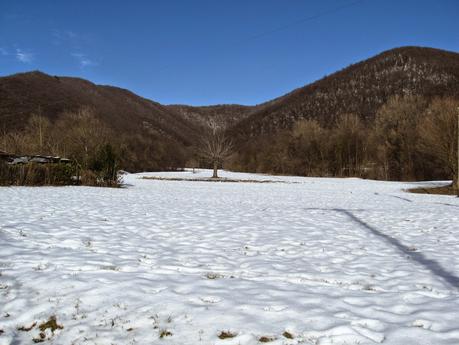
[215, 146]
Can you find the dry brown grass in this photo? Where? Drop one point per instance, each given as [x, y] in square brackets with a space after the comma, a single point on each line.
[288, 335]
[265, 339]
[226, 335]
[443, 190]
[210, 179]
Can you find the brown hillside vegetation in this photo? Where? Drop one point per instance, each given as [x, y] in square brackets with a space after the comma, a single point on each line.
[360, 89]
[37, 93]
[227, 115]
[388, 117]
[152, 135]
[411, 139]
[365, 120]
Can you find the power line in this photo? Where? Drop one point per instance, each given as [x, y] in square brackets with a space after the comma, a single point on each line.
[303, 20]
[285, 27]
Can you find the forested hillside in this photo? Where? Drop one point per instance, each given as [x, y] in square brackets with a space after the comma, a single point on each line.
[389, 117]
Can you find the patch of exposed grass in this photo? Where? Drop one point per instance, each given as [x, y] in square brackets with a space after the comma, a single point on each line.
[164, 333]
[220, 179]
[41, 338]
[110, 268]
[265, 339]
[288, 335]
[444, 190]
[226, 335]
[50, 324]
[211, 275]
[25, 328]
[368, 287]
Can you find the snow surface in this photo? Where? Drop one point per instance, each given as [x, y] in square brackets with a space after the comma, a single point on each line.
[330, 261]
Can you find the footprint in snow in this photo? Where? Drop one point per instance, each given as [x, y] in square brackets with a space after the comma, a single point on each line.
[372, 324]
[205, 300]
[376, 337]
[210, 299]
[275, 308]
[426, 324]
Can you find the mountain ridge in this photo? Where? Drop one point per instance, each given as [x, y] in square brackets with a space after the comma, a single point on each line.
[198, 114]
[361, 89]
[397, 75]
[24, 94]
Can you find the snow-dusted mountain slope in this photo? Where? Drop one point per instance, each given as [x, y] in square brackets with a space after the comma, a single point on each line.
[318, 261]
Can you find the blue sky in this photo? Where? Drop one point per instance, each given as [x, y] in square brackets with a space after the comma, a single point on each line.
[213, 51]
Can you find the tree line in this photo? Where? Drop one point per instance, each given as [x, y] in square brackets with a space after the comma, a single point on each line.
[95, 149]
[410, 139]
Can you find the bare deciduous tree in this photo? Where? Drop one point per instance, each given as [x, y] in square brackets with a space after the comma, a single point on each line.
[396, 130]
[81, 134]
[439, 133]
[215, 147]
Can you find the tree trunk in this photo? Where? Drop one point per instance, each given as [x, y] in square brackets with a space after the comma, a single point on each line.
[215, 175]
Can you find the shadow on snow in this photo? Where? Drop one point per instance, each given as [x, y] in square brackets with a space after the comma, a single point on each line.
[432, 265]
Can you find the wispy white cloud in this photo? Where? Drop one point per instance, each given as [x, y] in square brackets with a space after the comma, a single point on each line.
[76, 42]
[83, 60]
[64, 36]
[70, 34]
[23, 56]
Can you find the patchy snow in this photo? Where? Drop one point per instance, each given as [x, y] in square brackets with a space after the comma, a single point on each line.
[318, 261]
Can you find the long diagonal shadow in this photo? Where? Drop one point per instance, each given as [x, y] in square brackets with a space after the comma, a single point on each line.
[432, 265]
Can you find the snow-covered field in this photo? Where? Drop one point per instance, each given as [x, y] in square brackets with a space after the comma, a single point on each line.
[320, 261]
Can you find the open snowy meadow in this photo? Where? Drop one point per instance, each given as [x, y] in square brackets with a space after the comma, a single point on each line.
[290, 261]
